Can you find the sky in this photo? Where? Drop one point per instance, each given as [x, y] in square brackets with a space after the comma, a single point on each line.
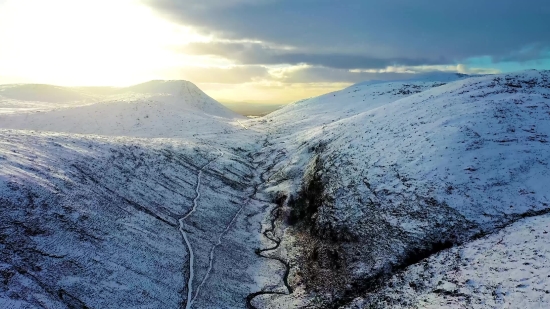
[266, 51]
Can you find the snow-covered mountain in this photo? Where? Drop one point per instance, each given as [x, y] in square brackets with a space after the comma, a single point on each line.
[384, 194]
[382, 175]
[96, 219]
[351, 101]
[153, 109]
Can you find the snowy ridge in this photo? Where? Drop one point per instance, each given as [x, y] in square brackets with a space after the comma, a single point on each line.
[154, 109]
[187, 91]
[43, 93]
[351, 101]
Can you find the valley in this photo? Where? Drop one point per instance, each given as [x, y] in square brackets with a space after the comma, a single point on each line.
[421, 193]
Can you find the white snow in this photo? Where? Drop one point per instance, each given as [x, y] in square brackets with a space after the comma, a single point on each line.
[509, 269]
[97, 217]
[490, 145]
[98, 186]
[410, 163]
[190, 297]
[154, 109]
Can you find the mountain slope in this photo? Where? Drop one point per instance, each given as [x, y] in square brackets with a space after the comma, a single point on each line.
[378, 184]
[508, 269]
[153, 109]
[353, 100]
[92, 222]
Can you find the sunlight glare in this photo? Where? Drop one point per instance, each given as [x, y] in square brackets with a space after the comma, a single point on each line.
[90, 42]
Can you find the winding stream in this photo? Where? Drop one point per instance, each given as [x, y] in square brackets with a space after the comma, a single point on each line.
[269, 233]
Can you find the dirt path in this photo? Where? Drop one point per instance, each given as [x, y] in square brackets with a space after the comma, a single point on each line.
[189, 300]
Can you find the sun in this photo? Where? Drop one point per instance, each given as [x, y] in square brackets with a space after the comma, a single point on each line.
[86, 42]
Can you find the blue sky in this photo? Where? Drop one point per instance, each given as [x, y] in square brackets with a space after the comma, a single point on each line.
[543, 63]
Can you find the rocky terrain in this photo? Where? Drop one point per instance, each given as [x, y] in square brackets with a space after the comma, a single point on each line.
[429, 192]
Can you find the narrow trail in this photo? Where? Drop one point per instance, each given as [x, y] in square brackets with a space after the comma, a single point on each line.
[189, 300]
[211, 261]
[242, 125]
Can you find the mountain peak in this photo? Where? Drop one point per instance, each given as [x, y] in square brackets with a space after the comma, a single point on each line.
[162, 86]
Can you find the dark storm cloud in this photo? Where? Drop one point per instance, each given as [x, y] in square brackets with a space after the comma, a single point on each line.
[528, 53]
[255, 53]
[338, 32]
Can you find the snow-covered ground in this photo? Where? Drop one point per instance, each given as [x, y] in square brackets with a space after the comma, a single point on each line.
[508, 269]
[90, 211]
[113, 197]
[382, 174]
[94, 220]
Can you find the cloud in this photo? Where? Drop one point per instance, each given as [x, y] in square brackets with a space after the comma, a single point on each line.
[290, 83]
[324, 30]
[230, 75]
[308, 74]
[260, 53]
[208, 4]
[459, 68]
[528, 53]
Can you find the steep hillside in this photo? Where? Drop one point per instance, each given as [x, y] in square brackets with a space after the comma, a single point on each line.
[153, 109]
[328, 108]
[383, 175]
[508, 269]
[96, 222]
